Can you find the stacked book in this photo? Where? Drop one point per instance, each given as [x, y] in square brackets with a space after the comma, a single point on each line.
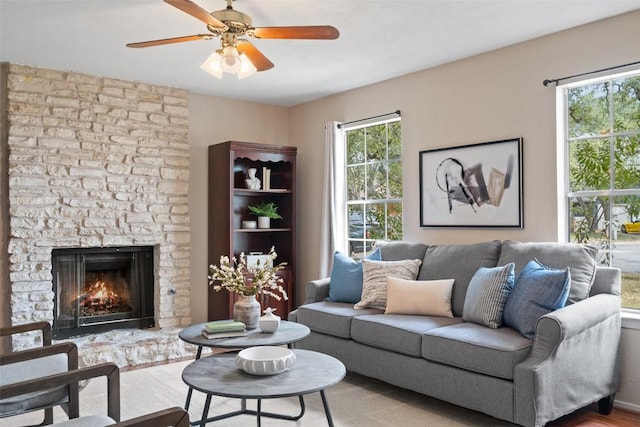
[223, 329]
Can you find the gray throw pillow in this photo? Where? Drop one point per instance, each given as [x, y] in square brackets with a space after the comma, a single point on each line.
[487, 294]
[374, 283]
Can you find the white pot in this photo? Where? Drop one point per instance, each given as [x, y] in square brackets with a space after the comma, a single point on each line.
[264, 222]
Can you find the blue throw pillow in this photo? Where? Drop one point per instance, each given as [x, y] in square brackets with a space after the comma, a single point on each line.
[346, 277]
[486, 295]
[538, 290]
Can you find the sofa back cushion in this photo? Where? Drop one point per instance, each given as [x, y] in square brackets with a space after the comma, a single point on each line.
[399, 250]
[458, 262]
[579, 258]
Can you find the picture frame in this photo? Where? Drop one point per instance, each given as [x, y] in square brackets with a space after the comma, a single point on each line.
[474, 186]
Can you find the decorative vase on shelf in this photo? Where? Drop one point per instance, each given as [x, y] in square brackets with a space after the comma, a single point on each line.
[264, 222]
[247, 310]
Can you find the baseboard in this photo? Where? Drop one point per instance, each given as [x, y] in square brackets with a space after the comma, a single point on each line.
[631, 407]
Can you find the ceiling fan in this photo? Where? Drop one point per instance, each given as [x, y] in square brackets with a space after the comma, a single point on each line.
[237, 55]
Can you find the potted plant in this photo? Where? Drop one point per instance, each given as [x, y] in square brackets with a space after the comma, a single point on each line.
[265, 211]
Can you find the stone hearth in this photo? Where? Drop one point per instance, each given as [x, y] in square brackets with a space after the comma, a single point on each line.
[98, 162]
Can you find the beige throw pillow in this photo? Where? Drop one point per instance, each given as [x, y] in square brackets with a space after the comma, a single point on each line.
[421, 297]
[374, 283]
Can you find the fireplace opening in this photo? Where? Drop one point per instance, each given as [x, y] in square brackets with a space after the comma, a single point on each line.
[100, 289]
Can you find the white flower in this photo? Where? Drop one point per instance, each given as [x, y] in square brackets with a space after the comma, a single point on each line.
[235, 276]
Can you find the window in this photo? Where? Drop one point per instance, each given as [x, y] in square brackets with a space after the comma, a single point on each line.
[602, 150]
[373, 185]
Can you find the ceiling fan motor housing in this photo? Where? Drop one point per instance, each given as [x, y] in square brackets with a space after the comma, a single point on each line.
[237, 22]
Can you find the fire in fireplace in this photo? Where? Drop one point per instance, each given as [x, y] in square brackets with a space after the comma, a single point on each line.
[99, 289]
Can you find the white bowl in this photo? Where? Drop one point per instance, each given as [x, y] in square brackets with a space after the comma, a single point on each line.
[249, 224]
[265, 360]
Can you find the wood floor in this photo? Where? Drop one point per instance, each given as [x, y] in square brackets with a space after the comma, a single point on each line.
[590, 417]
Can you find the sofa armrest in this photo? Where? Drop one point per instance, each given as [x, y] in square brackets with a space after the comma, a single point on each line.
[573, 361]
[607, 281]
[316, 290]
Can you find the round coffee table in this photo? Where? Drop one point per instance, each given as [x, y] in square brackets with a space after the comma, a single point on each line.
[287, 333]
[218, 375]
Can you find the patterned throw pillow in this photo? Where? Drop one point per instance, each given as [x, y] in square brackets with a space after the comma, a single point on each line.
[420, 297]
[538, 290]
[374, 284]
[487, 294]
[346, 277]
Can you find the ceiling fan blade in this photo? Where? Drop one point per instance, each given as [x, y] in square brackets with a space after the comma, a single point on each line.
[309, 32]
[196, 11]
[256, 57]
[171, 40]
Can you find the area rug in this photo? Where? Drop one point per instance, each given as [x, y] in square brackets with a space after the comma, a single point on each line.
[356, 401]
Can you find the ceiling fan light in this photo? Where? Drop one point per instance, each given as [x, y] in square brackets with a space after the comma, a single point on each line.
[230, 62]
[212, 65]
[246, 68]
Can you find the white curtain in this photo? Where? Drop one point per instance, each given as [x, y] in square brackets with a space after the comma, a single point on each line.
[334, 224]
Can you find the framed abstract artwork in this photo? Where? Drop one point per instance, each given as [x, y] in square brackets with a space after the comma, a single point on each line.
[478, 185]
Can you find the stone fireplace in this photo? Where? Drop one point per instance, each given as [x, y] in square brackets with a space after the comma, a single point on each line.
[95, 163]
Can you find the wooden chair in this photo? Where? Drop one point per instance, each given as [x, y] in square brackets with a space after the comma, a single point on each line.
[176, 416]
[31, 364]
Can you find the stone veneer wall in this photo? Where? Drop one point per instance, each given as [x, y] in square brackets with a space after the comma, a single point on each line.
[96, 162]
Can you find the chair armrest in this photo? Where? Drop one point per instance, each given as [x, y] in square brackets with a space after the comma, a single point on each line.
[70, 378]
[317, 290]
[573, 361]
[45, 327]
[29, 369]
[175, 417]
[35, 353]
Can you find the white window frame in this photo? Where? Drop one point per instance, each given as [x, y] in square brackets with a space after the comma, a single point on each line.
[631, 317]
[365, 240]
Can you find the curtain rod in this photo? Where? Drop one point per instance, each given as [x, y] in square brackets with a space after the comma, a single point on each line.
[397, 113]
[556, 81]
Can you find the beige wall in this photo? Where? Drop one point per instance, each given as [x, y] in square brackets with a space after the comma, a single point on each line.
[213, 120]
[489, 97]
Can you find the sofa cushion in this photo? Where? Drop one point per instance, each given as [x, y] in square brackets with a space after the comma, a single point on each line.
[399, 250]
[476, 348]
[396, 332]
[346, 277]
[374, 284]
[487, 293]
[579, 258]
[331, 318]
[538, 290]
[459, 262]
[420, 297]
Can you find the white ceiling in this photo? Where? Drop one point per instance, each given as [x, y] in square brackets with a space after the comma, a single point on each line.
[379, 39]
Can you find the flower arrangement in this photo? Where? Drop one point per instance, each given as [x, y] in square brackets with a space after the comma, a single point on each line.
[236, 276]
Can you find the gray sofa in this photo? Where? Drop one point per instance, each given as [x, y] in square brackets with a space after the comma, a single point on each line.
[571, 362]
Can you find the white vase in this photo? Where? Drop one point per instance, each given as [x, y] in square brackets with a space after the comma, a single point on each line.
[269, 322]
[247, 310]
[264, 222]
